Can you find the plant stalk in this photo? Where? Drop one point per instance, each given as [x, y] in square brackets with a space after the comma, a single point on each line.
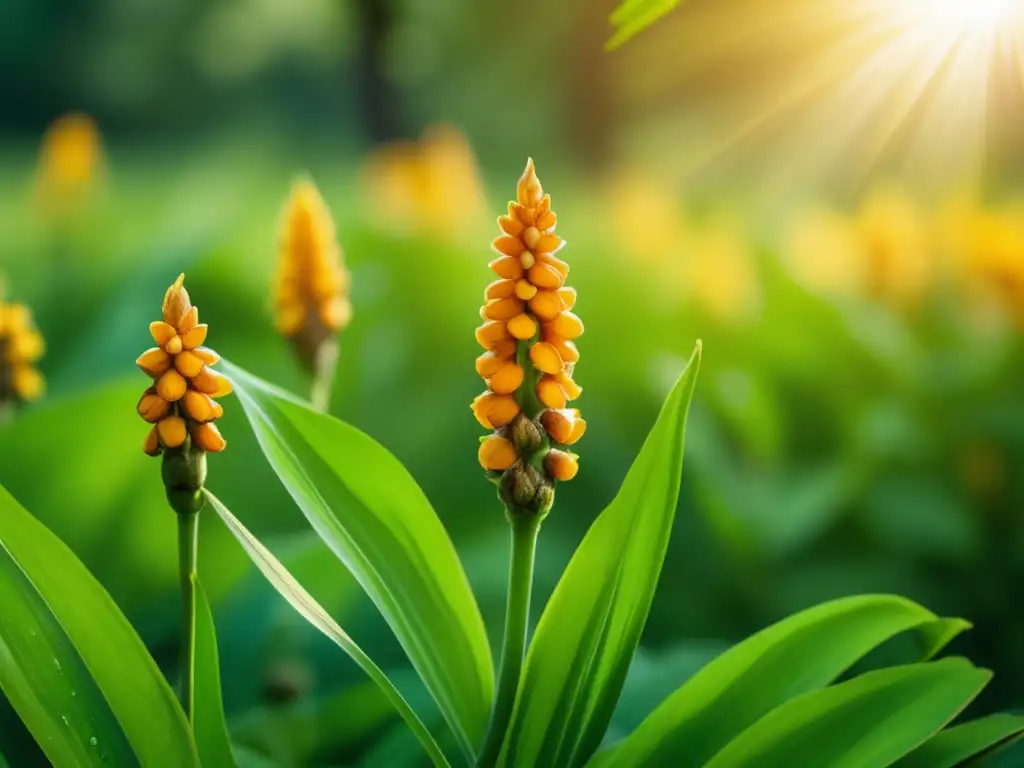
[188, 550]
[323, 374]
[520, 584]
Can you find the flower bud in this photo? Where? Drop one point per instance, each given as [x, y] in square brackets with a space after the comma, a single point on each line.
[152, 445]
[199, 407]
[500, 289]
[546, 305]
[545, 276]
[171, 386]
[525, 491]
[507, 379]
[152, 407]
[522, 327]
[172, 432]
[188, 364]
[176, 303]
[496, 454]
[154, 362]
[211, 383]
[562, 466]
[550, 393]
[526, 436]
[207, 437]
[564, 426]
[545, 358]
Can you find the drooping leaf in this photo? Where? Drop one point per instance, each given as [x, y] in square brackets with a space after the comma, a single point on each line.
[315, 614]
[211, 731]
[873, 719]
[798, 654]
[70, 663]
[374, 517]
[954, 746]
[589, 631]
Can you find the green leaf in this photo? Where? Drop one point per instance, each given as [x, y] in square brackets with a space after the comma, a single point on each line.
[589, 631]
[315, 614]
[634, 16]
[873, 719]
[71, 664]
[374, 517]
[798, 654]
[211, 731]
[956, 745]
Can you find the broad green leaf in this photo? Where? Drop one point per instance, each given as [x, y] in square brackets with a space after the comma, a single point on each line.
[211, 732]
[798, 654]
[954, 746]
[871, 720]
[589, 631]
[374, 517]
[71, 664]
[634, 16]
[314, 613]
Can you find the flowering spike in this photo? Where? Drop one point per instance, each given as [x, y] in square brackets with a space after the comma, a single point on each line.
[529, 357]
[311, 290]
[180, 403]
[21, 345]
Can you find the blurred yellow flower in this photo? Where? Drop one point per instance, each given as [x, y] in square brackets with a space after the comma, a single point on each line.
[180, 403]
[528, 337]
[882, 252]
[646, 218]
[71, 161]
[987, 247]
[717, 271]
[411, 185]
[311, 288]
[21, 345]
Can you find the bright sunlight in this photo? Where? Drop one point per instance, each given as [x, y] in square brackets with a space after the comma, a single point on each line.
[925, 88]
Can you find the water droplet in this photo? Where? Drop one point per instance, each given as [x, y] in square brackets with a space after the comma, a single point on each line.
[65, 719]
[56, 663]
[74, 693]
[92, 741]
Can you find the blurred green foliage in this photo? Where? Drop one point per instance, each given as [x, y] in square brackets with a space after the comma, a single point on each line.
[840, 441]
[835, 446]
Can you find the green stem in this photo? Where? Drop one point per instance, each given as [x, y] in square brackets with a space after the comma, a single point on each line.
[520, 584]
[323, 374]
[188, 550]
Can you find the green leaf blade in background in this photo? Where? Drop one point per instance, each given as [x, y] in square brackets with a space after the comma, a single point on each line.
[794, 656]
[211, 730]
[634, 16]
[314, 613]
[590, 629]
[71, 664]
[872, 720]
[374, 517]
[955, 746]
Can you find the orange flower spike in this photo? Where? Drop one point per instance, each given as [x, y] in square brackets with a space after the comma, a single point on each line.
[529, 374]
[179, 403]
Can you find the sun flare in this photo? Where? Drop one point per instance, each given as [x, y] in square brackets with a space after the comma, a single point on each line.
[965, 15]
[845, 90]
